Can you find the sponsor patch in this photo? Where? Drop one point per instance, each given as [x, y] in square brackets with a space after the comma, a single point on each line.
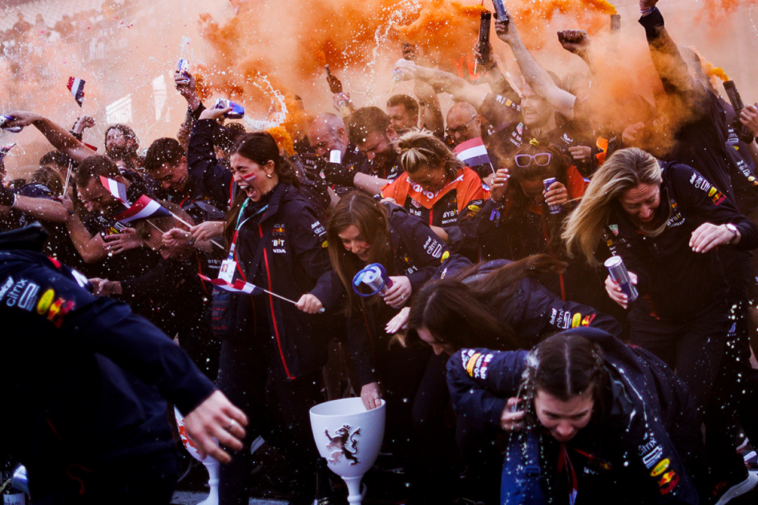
[23, 294]
[45, 301]
[660, 468]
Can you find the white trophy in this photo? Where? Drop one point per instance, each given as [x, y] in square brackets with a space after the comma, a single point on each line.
[211, 464]
[349, 437]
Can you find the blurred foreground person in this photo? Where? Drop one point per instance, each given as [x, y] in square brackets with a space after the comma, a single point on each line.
[87, 380]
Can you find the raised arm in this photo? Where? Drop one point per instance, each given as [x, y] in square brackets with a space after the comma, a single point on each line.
[536, 76]
[44, 209]
[57, 135]
[443, 82]
[666, 57]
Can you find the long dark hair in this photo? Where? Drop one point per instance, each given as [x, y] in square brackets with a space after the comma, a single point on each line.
[372, 220]
[259, 147]
[565, 365]
[465, 314]
[519, 204]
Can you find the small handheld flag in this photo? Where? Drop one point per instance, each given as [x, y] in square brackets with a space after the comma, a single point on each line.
[473, 153]
[115, 188]
[240, 286]
[76, 87]
[144, 208]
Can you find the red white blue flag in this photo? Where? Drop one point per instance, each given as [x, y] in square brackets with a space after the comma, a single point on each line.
[238, 286]
[144, 208]
[76, 87]
[115, 188]
[472, 152]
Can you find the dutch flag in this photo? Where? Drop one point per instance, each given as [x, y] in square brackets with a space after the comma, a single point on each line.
[115, 188]
[473, 153]
[76, 87]
[144, 208]
[239, 285]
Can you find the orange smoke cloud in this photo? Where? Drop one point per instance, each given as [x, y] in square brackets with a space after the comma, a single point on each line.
[289, 42]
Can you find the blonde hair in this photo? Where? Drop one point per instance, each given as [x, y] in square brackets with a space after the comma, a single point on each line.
[420, 147]
[626, 169]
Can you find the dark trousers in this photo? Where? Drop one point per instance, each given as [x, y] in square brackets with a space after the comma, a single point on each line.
[697, 349]
[245, 375]
[693, 348]
[735, 396]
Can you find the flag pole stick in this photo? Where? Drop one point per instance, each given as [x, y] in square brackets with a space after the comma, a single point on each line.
[68, 178]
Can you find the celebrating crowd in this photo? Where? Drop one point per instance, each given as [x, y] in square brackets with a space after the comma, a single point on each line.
[514, 367]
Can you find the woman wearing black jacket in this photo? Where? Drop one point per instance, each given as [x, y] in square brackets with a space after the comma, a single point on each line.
[363, 231]
[276, 242]
[498, 305]
[665, 221]
[589, 419]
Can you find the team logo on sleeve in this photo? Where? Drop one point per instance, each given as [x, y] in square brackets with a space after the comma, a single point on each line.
[22, 294]
[476, 365]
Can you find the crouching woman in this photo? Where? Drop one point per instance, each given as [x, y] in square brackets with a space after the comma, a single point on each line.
[588, 418]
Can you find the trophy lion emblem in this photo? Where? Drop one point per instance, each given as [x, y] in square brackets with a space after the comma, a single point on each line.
[343, 444]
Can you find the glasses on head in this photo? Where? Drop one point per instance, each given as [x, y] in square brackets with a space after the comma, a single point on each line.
[459, 129]
[540, 159]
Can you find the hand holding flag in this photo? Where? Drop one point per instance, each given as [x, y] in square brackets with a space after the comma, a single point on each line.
[247, 288]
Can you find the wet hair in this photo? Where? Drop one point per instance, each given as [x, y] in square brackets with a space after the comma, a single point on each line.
[564, 366]
[57, 158]
[259, 147]
[463, 310]
[624, 170]
[93, 167]
[50, 178]
[163, 150]
[410, 103]
[421, 147]
[372, 220]
[366, 121]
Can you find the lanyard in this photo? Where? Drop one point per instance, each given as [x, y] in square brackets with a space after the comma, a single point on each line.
[240, 225]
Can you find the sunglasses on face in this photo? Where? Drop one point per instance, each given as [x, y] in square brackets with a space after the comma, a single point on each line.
[540, 159]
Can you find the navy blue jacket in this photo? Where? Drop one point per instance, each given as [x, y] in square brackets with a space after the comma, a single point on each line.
[675, 282]
[418, 253]
[207, 175]
[534, 312]
[83, 377]
[632, 445]
[295, 261]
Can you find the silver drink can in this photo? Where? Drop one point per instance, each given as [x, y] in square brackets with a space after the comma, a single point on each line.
[620, 275]
[554, 209]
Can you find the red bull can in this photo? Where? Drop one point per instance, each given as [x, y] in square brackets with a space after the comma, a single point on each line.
[7, 119]
[183, 67]
[237, 112]
[374, 277]
[554, 209]
[620, 275]
[500, 9]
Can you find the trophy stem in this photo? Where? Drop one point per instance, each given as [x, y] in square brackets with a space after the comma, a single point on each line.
[354, 490]
[213, 467]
